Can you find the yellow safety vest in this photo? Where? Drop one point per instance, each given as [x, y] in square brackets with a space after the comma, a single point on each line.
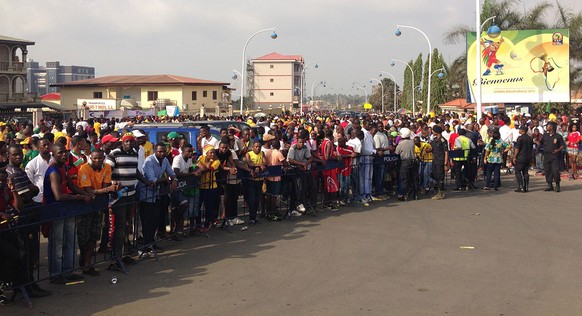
[465, 147]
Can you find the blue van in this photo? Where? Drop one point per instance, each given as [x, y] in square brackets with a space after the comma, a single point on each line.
[157, 132]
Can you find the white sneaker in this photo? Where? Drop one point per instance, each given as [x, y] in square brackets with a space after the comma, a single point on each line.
[237, 221]
[301, 208]
[295, 213]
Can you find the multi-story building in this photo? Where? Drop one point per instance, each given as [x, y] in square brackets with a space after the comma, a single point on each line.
[148, 92]
[13, 93]
[40, 78]
[276, 80]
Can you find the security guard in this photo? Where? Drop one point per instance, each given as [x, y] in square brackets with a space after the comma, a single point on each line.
[463, 144]
[553, 144]
[440, 162]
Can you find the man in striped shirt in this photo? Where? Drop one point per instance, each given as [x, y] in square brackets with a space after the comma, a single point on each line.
[123, 162]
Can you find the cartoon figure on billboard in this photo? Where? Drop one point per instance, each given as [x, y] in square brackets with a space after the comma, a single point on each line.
[489, 54]
[544, 64]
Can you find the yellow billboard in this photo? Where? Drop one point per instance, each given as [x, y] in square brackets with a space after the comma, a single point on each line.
[521, 66]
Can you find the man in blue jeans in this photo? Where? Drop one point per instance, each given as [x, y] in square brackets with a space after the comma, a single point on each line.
[58, 188]
[157, 170]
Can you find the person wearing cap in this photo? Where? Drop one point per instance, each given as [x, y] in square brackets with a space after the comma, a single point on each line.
[553, 144]
[408, 166]
[522, 158]
[145, 148]
[32, 143]
[174, 138]
[108, 143]
[124, 170]
[440, 162]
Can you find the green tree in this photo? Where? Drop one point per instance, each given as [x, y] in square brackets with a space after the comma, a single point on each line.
[376, 97]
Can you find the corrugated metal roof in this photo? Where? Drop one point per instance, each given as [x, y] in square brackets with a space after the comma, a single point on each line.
[15, 40]
[165, 80]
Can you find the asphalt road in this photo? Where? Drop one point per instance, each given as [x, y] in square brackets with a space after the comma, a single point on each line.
[391, 258]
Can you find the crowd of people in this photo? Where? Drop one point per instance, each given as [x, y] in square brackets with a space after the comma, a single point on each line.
[350, 159]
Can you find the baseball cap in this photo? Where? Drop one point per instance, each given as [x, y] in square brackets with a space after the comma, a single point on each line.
[174, 135]
[137, 133]
[109, 139]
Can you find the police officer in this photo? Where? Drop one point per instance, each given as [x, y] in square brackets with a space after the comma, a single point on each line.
[553, 144]
[522, 158]
[440, 161]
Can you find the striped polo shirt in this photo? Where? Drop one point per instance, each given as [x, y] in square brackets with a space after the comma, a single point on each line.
[124, 168]
[19, 178]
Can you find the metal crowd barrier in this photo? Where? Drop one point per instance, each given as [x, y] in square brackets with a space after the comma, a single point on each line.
[37, 216]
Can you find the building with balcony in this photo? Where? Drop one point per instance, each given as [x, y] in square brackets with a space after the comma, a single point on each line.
[13, 80]
[275, 79]
[40, 78]
[146, 92]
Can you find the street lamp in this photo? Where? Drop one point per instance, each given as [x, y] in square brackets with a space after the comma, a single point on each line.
[302, 84]
[398, 33]
[313, 87]
[380, 82]
[394, 80]
[235, 74]
[359, 86]
[441, 71]
[493, 32]
[242, 77]
[413, 82]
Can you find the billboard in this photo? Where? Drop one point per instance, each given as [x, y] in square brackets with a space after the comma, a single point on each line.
[524, 66]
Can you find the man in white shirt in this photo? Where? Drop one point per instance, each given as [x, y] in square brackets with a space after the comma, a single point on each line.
[205, 141]
[381, 145]
[366, 162]
[36, 168]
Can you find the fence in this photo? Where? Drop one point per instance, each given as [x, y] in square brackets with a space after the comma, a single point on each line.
[73, 223]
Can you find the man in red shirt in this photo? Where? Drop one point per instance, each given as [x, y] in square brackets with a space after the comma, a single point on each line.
[347, 153]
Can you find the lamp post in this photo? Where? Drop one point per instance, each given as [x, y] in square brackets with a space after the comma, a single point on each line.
[359, 86]
[313, 87]
[412, 85]
[398, 33]
[380, 82]
[242, 77]
[441, 73]
[302, 84]
[493, 31]
[394, 80]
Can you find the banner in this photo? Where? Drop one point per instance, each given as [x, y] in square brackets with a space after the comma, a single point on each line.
[521, 66]
[97, 104]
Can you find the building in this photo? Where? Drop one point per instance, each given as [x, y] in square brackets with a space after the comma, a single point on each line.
[148, 92]
[40, 78]
[276, 80]
[13, 93]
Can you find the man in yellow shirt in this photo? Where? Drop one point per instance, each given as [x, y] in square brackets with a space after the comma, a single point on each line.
[423, 153]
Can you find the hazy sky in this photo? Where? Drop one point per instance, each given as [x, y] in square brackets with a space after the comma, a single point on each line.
[350, 40]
